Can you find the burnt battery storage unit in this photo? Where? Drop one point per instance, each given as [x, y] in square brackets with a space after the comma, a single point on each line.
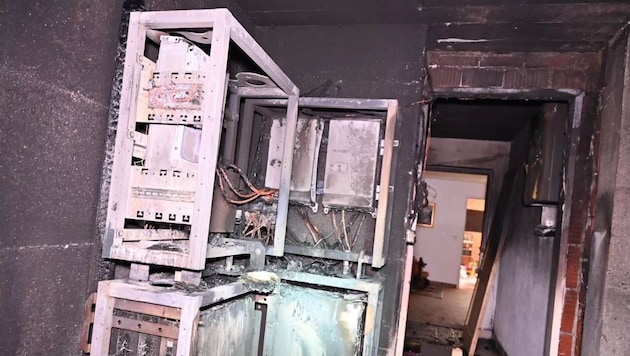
[243, 220]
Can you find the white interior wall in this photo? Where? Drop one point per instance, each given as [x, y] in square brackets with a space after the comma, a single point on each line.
[440, 246]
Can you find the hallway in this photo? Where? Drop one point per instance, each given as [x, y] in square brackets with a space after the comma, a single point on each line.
[437, 315]
[449, 310]
[436, 318]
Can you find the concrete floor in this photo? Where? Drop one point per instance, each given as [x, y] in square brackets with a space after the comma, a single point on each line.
[434, 325]
[418, 335]
[449, 311]
[440, 350]
[437, 321]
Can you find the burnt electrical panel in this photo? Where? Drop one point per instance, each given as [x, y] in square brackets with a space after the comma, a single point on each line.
[245, 220]
[176, 140]
[352, 151]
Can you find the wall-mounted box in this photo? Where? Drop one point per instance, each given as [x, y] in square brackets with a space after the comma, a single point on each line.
[351, 163]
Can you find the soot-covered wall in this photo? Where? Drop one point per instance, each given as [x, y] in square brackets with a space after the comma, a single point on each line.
[607, 313]
[524, 274]
[56, 69]
[369, 61]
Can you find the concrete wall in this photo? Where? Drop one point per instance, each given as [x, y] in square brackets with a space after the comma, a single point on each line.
[607, 312]
[360, 61]
[56, 70]
[524, 280]
[232, 5]
[440, 246]
[616, 309]
[57, 62]
[523, 287]
[373, 61]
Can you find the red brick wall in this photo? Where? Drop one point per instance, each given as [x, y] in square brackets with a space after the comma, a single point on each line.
[515, 70]
[580, 227]
[581, 71]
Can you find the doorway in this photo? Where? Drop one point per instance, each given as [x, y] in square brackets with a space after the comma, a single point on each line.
[441, 244]
[473, 235]
[494, 135]
[447, 250]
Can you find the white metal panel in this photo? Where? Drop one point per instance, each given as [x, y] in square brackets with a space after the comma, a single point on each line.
[274, 155]
[173, 146]
[179, 55]
[351, 163]
[305, 159]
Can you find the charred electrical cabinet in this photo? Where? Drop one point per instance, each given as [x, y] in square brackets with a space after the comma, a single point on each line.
[343, 164]
[243, 219]
[176, 137]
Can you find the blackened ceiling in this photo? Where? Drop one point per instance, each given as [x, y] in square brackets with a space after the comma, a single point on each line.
[492, 120]
[465, 25]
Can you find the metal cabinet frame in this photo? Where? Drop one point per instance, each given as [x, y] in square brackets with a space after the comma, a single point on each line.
[388, 169]
[184, 307]
[225, 30]
[150, 300]
[374, 306]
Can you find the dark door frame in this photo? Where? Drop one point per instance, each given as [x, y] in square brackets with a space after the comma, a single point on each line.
[575, 99]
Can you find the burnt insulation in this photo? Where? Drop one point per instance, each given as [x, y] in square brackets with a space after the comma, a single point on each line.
[104, 268]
